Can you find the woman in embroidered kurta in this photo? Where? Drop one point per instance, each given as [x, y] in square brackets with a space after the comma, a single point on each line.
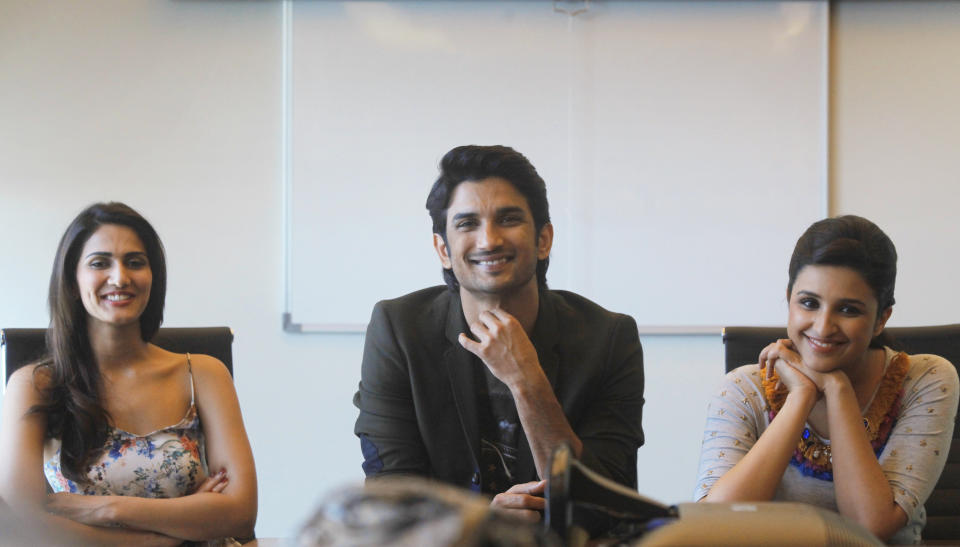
[76, 416]
[831, 416]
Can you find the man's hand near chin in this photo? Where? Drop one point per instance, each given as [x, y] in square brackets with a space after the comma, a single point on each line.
[524, 501]
[507, 351]
[504, 348]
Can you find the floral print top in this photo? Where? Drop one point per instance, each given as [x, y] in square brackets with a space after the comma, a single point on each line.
[912, 459]
[167, 463]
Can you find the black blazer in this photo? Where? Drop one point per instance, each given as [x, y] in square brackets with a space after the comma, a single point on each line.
[418, 402]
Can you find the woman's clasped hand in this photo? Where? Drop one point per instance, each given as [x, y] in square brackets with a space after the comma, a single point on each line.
[833, 415]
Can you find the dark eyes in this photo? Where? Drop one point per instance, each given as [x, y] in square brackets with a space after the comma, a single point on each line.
[850, 310]
[813, 304]
[133, 263]
[505, 220]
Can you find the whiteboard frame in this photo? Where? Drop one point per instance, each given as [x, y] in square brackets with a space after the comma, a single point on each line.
[288, 323]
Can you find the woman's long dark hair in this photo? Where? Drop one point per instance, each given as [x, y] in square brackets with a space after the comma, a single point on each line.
[856, 243]
[75, 413]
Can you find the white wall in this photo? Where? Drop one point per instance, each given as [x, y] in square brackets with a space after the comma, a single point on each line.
[896, 142]
[174, 107]
[639, 130]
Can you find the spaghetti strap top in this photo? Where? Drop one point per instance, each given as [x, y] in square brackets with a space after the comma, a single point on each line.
[167, 463]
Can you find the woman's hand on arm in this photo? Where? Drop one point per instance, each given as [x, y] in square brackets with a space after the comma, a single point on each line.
[23, 486]
[756, 476]
[782, 357]
[101, 510]
[224, 509]
[863, 491]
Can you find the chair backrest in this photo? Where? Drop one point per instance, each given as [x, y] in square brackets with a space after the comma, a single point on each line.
[742, 346]
[19, 347]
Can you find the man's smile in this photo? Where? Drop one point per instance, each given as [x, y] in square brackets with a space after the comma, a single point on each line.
[490, 261]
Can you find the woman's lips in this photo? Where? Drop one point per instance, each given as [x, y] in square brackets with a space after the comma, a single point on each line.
[820, 345]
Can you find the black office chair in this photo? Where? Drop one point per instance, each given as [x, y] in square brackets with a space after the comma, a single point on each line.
[742, 346]
[19, 347]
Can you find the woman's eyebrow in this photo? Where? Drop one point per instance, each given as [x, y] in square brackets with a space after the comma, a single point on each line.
[109, 254]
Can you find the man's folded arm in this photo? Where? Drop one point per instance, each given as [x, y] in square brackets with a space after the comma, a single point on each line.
[610, 428]
[387, 425]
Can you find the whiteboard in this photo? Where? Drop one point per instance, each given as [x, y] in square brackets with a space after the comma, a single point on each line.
[682, 144]
[896, 141]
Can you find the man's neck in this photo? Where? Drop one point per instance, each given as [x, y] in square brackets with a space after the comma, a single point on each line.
[523, 304]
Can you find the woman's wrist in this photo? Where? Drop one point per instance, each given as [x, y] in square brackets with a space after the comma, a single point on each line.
[111, 512]
[804, 397]
[837, 384]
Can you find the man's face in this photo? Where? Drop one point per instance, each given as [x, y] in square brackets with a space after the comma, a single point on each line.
[492, 245]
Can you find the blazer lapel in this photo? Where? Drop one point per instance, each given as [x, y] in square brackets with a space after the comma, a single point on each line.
[459, 365]
[546, 338]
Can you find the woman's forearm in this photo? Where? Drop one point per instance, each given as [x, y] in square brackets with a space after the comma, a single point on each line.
[204, 514]
[756, 476]
[862, 490]
[50, 529]
[195, 517]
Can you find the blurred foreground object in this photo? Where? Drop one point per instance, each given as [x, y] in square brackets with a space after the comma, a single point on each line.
[417, 512]
[17, 532]
[785, 524]
[583, 505]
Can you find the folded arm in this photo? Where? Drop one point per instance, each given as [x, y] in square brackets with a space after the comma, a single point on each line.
[757, 474]
[23, 486]
[863, 492]
[390, 439]
[231, 512]
[735, 463]
[606, 435]
[611, 425]
[883, 495]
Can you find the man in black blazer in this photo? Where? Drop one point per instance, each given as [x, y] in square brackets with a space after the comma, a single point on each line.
[476, 383]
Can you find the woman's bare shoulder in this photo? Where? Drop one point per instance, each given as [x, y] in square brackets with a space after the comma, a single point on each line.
[200, 363]
[28, 385]
[208, 365]
[34, 376]
[208, 371]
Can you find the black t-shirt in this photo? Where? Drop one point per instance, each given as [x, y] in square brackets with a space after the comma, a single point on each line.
[499, 433]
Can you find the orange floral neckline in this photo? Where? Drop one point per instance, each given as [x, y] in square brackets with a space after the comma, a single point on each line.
[813, 456]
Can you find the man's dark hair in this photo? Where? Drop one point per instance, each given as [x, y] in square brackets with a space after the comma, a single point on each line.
[475, 163]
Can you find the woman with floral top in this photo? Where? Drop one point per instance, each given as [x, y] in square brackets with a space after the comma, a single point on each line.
[833, 416]
[138, 444]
